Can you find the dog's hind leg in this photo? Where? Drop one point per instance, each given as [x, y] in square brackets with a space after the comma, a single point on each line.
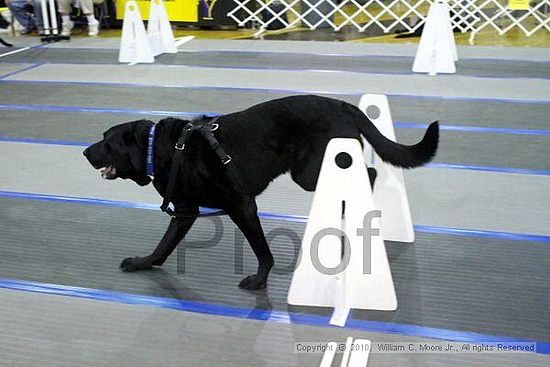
[245, 216]
[176, 231]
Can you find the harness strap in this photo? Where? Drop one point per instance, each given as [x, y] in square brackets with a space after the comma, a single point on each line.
[225, 158]
[180, 146]
[208, 134]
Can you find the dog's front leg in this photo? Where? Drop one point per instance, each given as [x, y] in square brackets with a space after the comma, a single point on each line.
[245, 216]
[176, 231]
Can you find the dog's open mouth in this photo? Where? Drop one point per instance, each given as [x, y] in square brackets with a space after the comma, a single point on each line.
[108, 173]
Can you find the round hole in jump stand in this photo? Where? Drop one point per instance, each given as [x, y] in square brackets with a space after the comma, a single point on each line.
[373, 112]
[343, 160]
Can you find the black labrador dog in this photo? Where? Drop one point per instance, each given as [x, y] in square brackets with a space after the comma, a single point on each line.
[284, 135]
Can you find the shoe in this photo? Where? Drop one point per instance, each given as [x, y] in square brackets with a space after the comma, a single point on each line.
[93, 28]
[26, 31]
[66, 28]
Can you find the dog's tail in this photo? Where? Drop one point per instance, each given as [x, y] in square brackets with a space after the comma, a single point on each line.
[399, 155]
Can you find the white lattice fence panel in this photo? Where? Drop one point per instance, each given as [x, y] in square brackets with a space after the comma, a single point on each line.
[466, 15]
[387, 15]
[495, 14]
[360, 14]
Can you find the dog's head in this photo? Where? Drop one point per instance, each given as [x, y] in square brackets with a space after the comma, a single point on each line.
[122, 152]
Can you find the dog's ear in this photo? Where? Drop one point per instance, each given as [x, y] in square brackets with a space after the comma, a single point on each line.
[140, 130]
[137, 160]
[136, 156]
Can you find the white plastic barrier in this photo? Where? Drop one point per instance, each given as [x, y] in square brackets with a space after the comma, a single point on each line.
[390, 195]
[356, 353]
[328, 355]
[360, 352]
[343, 262]
[437, 49]
[134, 44]
[159, 31]
[140, 46]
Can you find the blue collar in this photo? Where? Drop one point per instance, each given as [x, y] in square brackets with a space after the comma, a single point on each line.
[150, 144]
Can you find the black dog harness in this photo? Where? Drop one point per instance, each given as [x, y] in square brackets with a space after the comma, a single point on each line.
[207, 132]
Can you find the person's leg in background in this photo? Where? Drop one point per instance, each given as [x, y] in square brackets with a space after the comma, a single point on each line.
[65, 9]
[37, 5]
[87, 7]
[17, 8]
[4, 25]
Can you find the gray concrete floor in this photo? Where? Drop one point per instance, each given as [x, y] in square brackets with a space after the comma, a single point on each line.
[53, 330]
[68, 332]
[279, 80]
[438, 197]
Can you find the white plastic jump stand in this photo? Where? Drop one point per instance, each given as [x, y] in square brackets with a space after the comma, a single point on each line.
[360, 353]
[437, 49]
[390, 195]
[183, 40]
[342, 223]
[328, 355]
[134, 44]
[356, 353]
[159, 31]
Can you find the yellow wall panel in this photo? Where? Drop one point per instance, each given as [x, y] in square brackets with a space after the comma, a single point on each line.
[178, 10]
[518, 4]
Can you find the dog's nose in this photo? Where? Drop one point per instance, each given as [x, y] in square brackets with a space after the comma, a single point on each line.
[86, 152]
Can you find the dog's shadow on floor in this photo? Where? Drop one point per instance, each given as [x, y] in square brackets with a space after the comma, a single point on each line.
[164, 284]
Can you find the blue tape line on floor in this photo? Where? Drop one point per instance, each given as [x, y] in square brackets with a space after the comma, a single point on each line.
[482, 233]
[262, 315]
[274, 216]
[282, 91]
[8, 139]
[306, 70]
[522, 171]
[473, 129]
[2, 77]
[397, 124]
[69, 109]
[335, 54]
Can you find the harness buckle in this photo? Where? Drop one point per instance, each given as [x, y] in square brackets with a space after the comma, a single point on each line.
[226, 159]
[180, 146]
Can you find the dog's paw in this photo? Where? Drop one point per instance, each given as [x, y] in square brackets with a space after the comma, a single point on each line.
[252, 283]
[135, 263]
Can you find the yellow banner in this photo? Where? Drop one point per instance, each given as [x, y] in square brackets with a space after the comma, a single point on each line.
[177, 10]
[518, 4]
